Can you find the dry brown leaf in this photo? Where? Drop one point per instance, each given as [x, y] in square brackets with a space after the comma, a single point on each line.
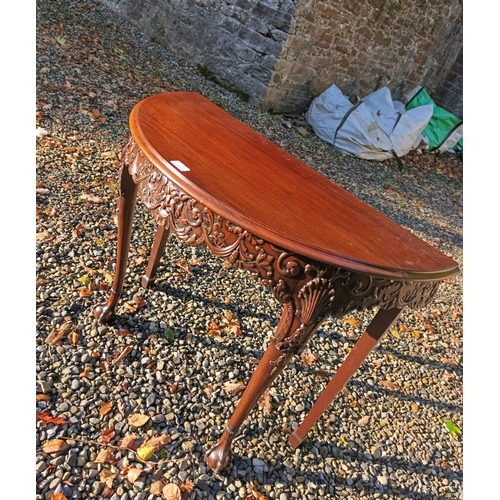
[156, 488]
[346, 392]
[57, 334]
[125, 351]
[231, 323]
[133, 474]
[85, 372]
[208, 390]
[158, 441]
[171, 492]
[265, 403]
[107, 492]
[107, 435]
[415, 407]
[107, 476]
[363, 421]
[389, 385]
[308, 358]
[55, 446]
[128, 442]
[415, 334]
[187, 486]
[105, 456]
[42, 397]
[58, 496]
[213, 329]
[140, 301]
[105, 408]
[84, 292]
[44, 236]
[447, 361]
[47, 418]
[74, 337]
[138, 419]
[129, 307]
[352, 321]
[233, 389]
[91, 198]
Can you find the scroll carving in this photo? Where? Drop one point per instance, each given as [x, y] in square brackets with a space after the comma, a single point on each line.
[308, 289]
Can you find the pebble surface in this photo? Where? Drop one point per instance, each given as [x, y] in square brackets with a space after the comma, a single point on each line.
[385, 436]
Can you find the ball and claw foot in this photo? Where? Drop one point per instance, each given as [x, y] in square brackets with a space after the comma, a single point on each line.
[104, 313]
[219, 456]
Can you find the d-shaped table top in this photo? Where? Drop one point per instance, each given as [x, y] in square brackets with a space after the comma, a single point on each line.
[242, 176]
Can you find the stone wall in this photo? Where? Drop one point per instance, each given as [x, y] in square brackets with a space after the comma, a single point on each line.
[450, 92]
[283, 53]
[238, 41]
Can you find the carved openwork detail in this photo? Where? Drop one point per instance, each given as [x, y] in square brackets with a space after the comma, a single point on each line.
[309, 290]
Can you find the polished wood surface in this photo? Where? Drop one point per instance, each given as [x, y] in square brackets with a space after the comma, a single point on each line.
[213, 181]
[249, 180]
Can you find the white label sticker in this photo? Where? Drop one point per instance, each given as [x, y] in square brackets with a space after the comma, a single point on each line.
[178, 164]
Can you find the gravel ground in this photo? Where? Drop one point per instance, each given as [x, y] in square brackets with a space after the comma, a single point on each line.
[389, 434]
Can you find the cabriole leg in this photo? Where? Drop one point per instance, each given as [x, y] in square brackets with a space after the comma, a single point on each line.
[156, 253]
[126, 205]
[366, 342]
[290, 336]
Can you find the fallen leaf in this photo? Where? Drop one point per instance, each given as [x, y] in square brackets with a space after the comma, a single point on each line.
[105, 408]
[138, 419]
[128, 442]
[352, 321]
[129, 307]
[265, 403]
[213, 329]
[85, 372]
[107, 492]
[363, 421]
[140, 301]
[415, 334]
[145, 452]
[90, 198]
[209, 390]
[133, 474]
[44, 236]
[58, 496]
[171, 492]
[403, 328]
[85, 292]
[105, 456]
[156, 488]
[389, 385]
[308, 358]
[56, 335]
[107, 435]
[74, 337]
[158, 441]
[415, 407]
[233, 389]
[55, 446]
[42, 397]
[187, 486]
[452, 427]
[41, 132]
[124, 352]
[46, 418]
[395, 334]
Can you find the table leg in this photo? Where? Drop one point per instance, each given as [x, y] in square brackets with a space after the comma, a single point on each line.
[378, 326]
[156, 253]
[290, 336]
[126, 205]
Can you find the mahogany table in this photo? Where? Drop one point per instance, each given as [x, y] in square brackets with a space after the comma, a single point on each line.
[213, 181]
